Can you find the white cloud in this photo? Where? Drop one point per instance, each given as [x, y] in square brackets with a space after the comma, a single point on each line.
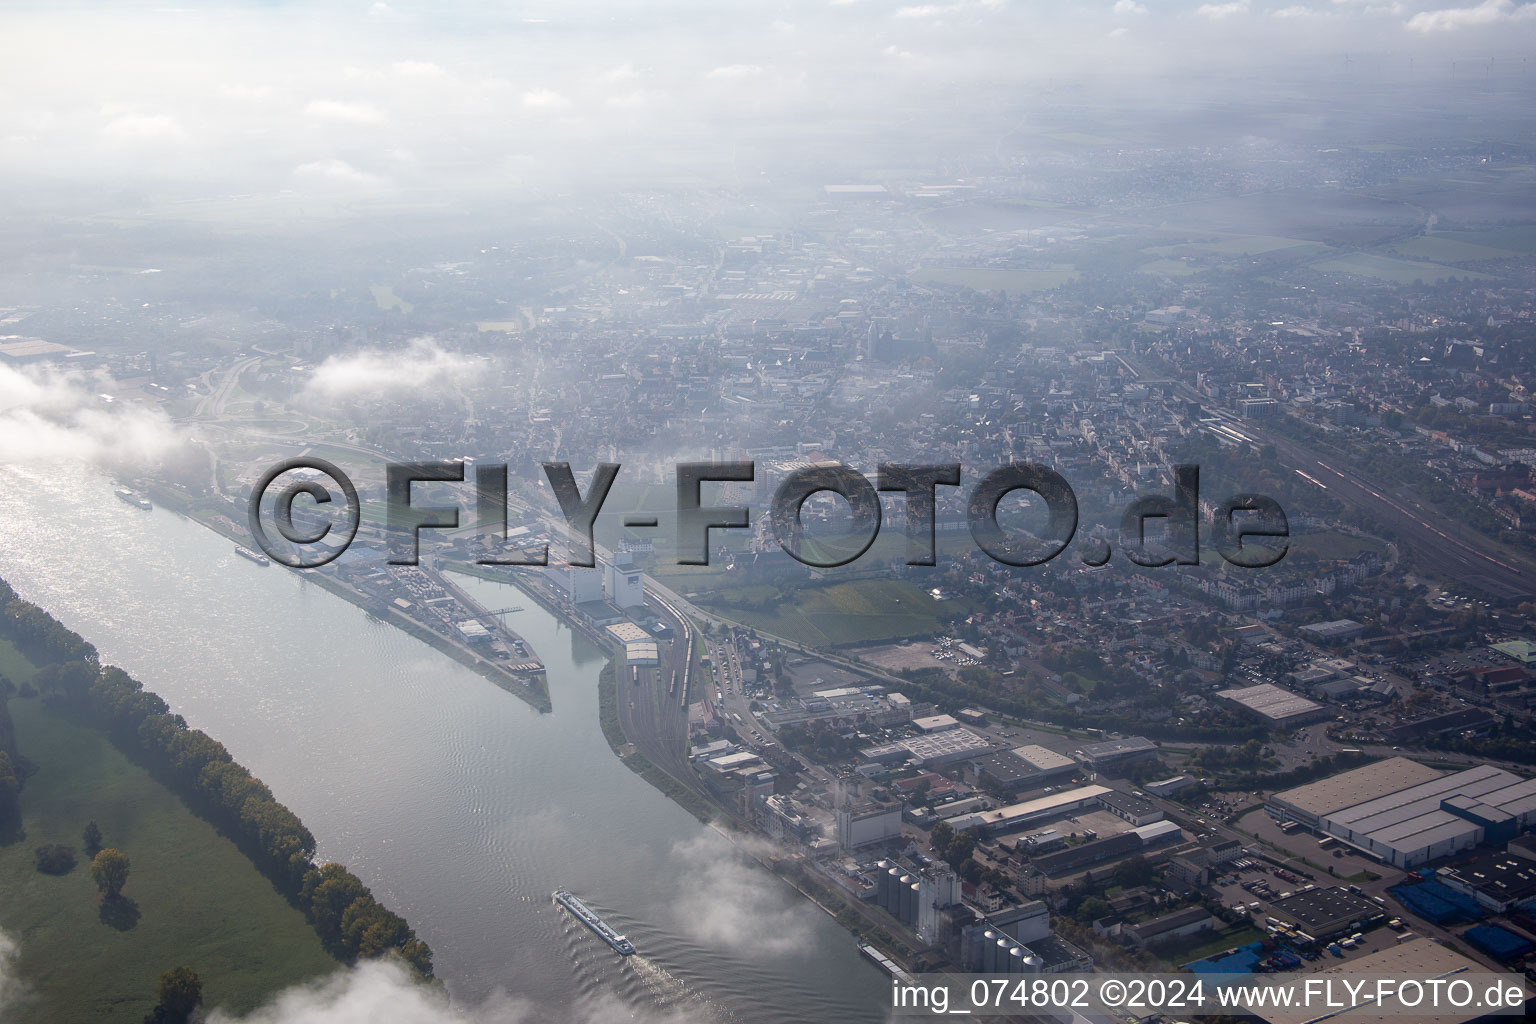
[376, 373]
[1490, 12]
[417, 69]
[545, 99]
[370, 992]
[1129, 7]
[1297, 12]
[729, 904]
[944, 10]
[235, 91]
[1119, 33]
[623, 73]
[628, 100]
[48, 415]
[145, 128]
[376, 991]
[354, 113]
[10, 988]
[336, 172]
[1219, 11]
[737, 71]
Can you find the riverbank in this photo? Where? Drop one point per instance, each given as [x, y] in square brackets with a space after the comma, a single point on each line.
[192, 897]
[724, 820]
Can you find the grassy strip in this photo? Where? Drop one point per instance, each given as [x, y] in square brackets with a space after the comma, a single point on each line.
[796, 875]
[192, 898]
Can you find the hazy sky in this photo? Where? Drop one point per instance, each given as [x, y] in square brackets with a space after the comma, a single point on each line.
[373, 96]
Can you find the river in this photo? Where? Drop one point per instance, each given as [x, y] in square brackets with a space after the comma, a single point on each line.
[457, 803]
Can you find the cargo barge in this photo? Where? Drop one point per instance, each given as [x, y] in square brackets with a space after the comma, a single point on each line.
[590, 918]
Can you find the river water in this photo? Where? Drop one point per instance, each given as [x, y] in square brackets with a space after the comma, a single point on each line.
[458, 804]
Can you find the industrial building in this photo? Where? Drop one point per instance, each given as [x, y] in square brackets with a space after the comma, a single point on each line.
[642, 652]
[17, 350]
[1501, 882]
[867, 825]
[1407, 815]
[1087, 855]
[1337, 629]
[1169, 786]
[1158, 833]
[623, 580]
[989, 951]
[933, 748]
[1194, 866]
[1026, 922]
[1277, 708]
[1112, 755]
[1046, 808]
[1023, 768]
[841, 702]
[1307, 804]
[1133, 809]
[920, 898]
[1416, 958]
[1169, 927]
[1326, 913]
[584, 584]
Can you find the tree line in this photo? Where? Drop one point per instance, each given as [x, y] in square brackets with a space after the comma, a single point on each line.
[339, 906]
[38, 635]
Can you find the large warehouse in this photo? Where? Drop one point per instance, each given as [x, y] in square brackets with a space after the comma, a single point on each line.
[1275, 707]
[1046, 808]
[1028, 767]
[1407, 815]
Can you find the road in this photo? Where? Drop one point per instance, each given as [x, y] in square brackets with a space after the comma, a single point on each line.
[212, 404]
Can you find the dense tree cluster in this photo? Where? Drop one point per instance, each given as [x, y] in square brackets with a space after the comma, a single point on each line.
[10, 790]
[346, 914]
[55, 859]
[343, 911]
[41, 637]
[934, 685]
[341, 908]
[180, 992]
[109, 869]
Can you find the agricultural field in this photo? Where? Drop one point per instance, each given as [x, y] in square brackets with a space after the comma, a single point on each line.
[192, 898]
[1237, 245]
[1520, 238]
[385, 298]
[1442, 248]
[1168, 268]
[1384, 268]
[821, 615]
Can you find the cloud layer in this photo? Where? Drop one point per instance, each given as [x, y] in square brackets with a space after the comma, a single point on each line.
[376, 991]
[380, 374]
[48, 415]
[459, 96]
[728, 904]
[10, 988]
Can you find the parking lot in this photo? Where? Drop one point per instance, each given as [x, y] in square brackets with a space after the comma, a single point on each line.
[1303, 845]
